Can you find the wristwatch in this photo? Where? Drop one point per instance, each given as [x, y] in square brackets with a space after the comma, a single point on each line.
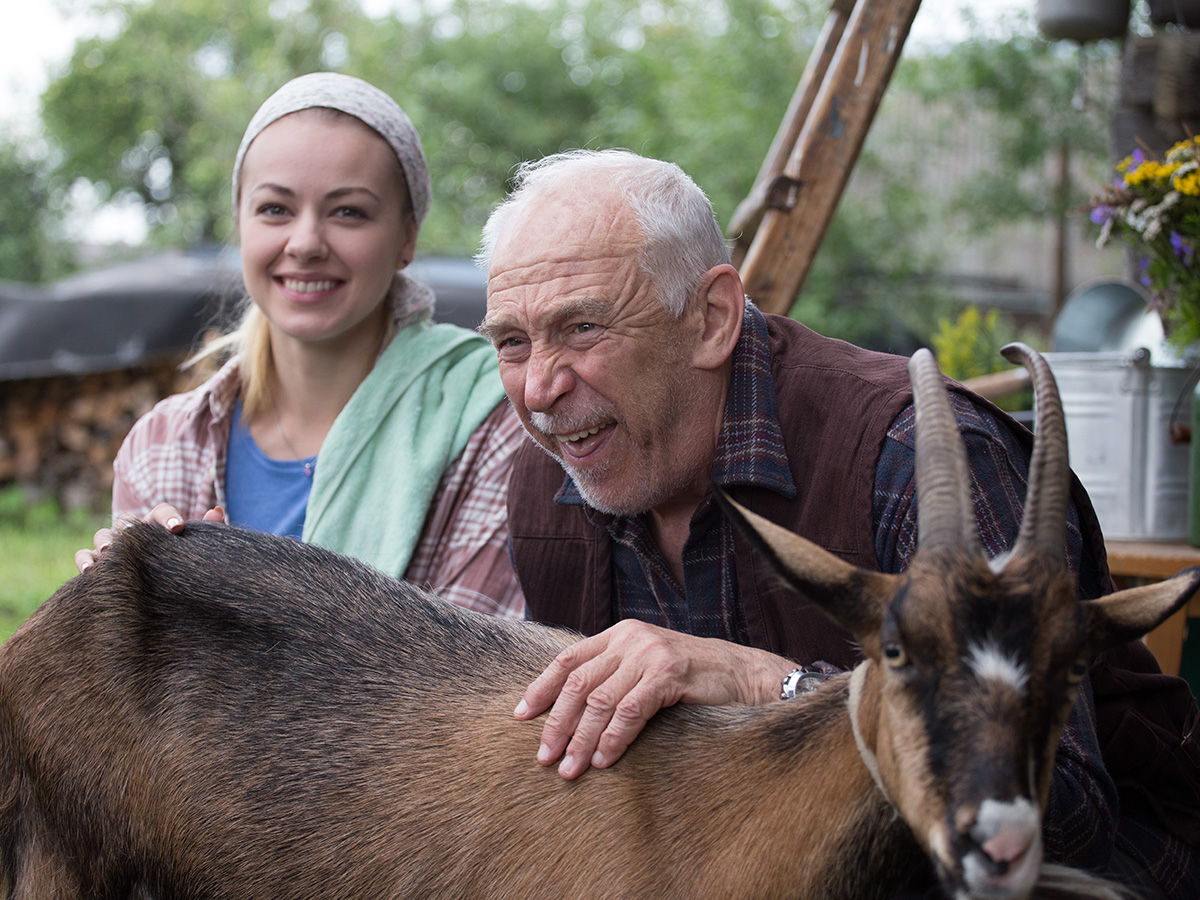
[801, 681]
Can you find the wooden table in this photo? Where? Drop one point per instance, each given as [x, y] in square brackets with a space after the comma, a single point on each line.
[1135, 562]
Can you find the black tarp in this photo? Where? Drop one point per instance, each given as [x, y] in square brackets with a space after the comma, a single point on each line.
[137, 312]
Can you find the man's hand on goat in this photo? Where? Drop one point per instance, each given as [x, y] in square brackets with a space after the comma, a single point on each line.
[605, 688]
[164, 514]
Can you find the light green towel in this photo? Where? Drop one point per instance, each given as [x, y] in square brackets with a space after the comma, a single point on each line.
[385, 454]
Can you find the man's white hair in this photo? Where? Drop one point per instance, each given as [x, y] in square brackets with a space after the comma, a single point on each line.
[682, 240]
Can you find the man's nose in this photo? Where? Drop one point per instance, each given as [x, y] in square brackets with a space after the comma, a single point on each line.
[547, 379]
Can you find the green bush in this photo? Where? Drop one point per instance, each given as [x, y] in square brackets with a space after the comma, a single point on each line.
[39, 542]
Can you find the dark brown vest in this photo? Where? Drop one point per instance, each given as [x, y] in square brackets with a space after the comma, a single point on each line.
[836, 402]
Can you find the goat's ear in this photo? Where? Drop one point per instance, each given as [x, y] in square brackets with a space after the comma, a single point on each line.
[854, 598]
[1132, 613]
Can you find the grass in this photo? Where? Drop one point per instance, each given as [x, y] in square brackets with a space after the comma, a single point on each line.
[39, 544]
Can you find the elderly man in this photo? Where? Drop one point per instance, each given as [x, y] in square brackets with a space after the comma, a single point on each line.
[632, 357]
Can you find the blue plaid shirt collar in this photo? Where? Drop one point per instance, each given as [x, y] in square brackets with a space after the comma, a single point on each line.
[750, 449]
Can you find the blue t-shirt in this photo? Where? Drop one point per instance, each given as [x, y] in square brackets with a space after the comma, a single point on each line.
[261, 493]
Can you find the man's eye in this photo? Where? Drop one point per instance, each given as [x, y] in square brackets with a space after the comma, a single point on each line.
[584, 327]
[510, 347]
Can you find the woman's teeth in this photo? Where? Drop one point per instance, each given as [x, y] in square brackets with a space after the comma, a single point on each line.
[308, 287]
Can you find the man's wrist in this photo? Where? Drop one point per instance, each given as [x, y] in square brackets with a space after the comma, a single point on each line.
[805, 679]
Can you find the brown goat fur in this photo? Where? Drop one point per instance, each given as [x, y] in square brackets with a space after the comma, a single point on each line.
[226, 714]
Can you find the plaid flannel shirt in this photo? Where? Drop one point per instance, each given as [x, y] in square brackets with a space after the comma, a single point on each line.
[176, 454]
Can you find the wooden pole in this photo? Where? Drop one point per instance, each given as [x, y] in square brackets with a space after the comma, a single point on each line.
[771, 183]
[825, 151]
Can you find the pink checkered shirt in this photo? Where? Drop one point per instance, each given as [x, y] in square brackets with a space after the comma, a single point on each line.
[175, 454]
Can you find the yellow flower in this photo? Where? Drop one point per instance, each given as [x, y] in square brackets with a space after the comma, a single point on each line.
[1151, 172]
[1184, 150]
[1189, 184]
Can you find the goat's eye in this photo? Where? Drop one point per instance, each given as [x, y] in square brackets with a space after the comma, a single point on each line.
[1076, 672]
[894, 655]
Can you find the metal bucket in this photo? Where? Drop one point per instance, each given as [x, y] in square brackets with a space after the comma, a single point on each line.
[1119, 410]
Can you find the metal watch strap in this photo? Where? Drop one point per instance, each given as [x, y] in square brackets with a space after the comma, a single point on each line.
[801, 681]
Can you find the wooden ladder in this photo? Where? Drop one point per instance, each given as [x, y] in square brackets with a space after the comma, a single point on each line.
[778, 228]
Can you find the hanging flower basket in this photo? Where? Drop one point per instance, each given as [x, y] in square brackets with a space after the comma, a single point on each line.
[1153, 206]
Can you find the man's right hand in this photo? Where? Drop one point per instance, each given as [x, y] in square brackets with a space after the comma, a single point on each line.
[602, 690]
[165, 515]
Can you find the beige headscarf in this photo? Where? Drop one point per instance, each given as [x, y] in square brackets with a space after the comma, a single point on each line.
[410, 301]
[357, 98]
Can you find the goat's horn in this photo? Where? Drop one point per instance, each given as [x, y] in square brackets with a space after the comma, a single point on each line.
[1044, 524]
[945, 511]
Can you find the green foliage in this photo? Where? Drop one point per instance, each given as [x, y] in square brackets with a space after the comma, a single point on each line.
[969, 345]
[27, 252]
[1036, 97]
[155, 106]
[158, 109]
[39, 544]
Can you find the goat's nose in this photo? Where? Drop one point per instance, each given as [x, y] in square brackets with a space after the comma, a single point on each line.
[1005, 830]
[1009, 844]
[1005, 849]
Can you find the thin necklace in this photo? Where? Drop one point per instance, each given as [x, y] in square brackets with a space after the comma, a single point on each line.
[308, 463]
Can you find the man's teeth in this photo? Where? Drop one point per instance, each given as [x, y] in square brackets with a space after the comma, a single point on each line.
[579, 435]
[308, 287]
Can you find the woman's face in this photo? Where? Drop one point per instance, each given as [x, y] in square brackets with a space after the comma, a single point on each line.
[324, 222]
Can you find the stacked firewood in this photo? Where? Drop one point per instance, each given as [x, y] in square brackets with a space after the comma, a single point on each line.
[58, 435]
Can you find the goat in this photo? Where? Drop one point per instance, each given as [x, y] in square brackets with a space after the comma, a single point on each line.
[225, 714]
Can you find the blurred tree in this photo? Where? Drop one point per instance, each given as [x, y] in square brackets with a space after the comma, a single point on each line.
[155, 106]
[1011, 131]
[27, 252]
[490, 84]
[157, 109]
[1037, 96]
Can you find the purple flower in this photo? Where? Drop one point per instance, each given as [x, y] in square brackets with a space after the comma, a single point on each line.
[1182, 247]
[1144, 269]
[1102, 214]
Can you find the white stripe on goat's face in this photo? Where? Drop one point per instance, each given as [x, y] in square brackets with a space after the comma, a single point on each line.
[990, 662]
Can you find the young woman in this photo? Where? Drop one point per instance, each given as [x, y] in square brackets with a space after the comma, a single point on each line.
[343, 416]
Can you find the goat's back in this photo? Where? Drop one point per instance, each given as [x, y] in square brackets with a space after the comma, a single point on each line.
[287, 697]
[225, 714]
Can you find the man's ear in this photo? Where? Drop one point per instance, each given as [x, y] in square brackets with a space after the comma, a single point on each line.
[723, 302]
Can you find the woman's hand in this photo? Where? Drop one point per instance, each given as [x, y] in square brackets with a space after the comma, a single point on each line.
[165, 515]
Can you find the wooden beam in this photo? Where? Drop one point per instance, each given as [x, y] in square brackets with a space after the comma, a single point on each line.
[825, 151]
[747, 217]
